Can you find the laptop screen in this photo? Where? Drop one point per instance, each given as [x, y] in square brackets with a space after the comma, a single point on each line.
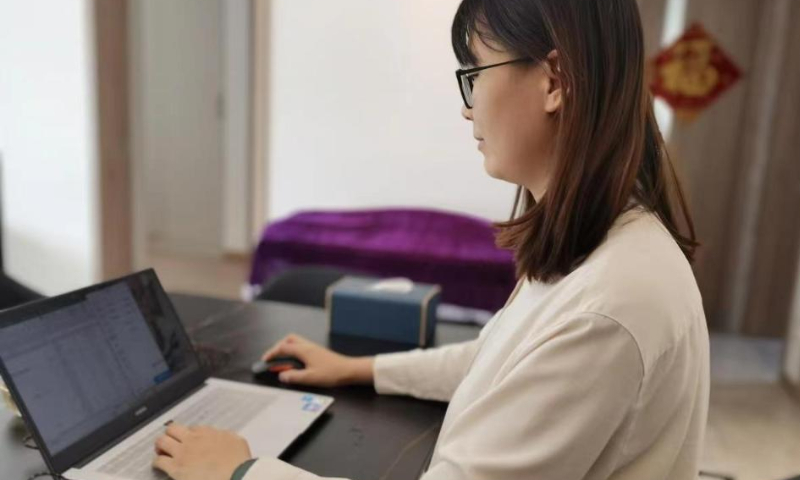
[86, 359]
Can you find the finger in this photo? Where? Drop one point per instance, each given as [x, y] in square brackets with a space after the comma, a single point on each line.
[177, 431]
[284, 349]
[269, 354]
[168, 445]
[165, 464]
[297, 377]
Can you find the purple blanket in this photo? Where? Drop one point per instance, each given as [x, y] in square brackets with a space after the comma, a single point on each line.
[452, 250]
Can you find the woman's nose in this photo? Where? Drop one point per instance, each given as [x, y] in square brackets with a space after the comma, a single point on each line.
[466, 112]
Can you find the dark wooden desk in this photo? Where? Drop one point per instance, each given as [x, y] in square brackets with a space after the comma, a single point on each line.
[363, 436]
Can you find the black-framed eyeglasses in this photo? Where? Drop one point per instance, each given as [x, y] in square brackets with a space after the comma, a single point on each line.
[466, 78]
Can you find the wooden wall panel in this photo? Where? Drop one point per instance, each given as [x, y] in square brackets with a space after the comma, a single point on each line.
[652, 13]
[775, 258]
[706, 150]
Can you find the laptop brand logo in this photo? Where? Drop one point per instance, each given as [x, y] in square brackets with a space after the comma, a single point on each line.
[140, 412]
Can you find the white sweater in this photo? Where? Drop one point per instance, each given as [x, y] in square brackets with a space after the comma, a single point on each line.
[602, 375]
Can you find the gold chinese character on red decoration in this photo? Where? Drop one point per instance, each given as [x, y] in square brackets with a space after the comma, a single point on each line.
[692, 73]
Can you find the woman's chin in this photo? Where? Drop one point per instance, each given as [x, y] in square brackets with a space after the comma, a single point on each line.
[490, 168]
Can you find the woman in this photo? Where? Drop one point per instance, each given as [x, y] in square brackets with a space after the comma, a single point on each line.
[597, 367]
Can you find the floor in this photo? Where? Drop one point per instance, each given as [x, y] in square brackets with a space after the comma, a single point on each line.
[754, 423]
[222, 277]
[753, 426]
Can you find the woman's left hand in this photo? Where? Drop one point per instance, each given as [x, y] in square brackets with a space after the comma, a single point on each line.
[199, 453]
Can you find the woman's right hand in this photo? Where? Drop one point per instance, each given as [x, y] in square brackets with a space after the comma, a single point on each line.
[324, 368]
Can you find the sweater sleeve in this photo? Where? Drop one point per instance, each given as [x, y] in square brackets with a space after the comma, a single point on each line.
[552, 414]
[428, 374]
[431, 374]
[561, 404]
[274, 469]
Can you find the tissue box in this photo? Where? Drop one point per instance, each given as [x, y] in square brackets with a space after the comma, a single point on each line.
[383, 309]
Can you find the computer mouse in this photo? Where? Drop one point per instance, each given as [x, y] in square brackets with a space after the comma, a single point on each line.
[276, 365]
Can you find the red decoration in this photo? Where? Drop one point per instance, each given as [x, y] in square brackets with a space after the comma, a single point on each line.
[692, 73]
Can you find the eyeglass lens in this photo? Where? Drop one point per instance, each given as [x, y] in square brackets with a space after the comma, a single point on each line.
[466, 87]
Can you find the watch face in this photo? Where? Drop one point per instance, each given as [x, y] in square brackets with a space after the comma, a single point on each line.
[7, 399]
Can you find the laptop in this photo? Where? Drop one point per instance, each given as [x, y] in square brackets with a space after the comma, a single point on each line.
[98, 373]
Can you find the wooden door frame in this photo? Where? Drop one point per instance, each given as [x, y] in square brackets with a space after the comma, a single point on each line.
[260, 32]
[113, 131]
[122, 243]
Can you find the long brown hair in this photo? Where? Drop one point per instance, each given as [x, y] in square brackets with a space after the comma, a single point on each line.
[610, 149]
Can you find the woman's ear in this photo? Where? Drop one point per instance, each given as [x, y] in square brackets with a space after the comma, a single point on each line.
[554, 93]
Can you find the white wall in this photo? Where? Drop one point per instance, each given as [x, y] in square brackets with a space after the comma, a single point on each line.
[364, 111]
[48, 143]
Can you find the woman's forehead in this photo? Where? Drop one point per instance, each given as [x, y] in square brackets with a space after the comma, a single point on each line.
[484, 50]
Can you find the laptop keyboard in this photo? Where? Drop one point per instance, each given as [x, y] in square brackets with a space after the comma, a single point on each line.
[222, 409]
